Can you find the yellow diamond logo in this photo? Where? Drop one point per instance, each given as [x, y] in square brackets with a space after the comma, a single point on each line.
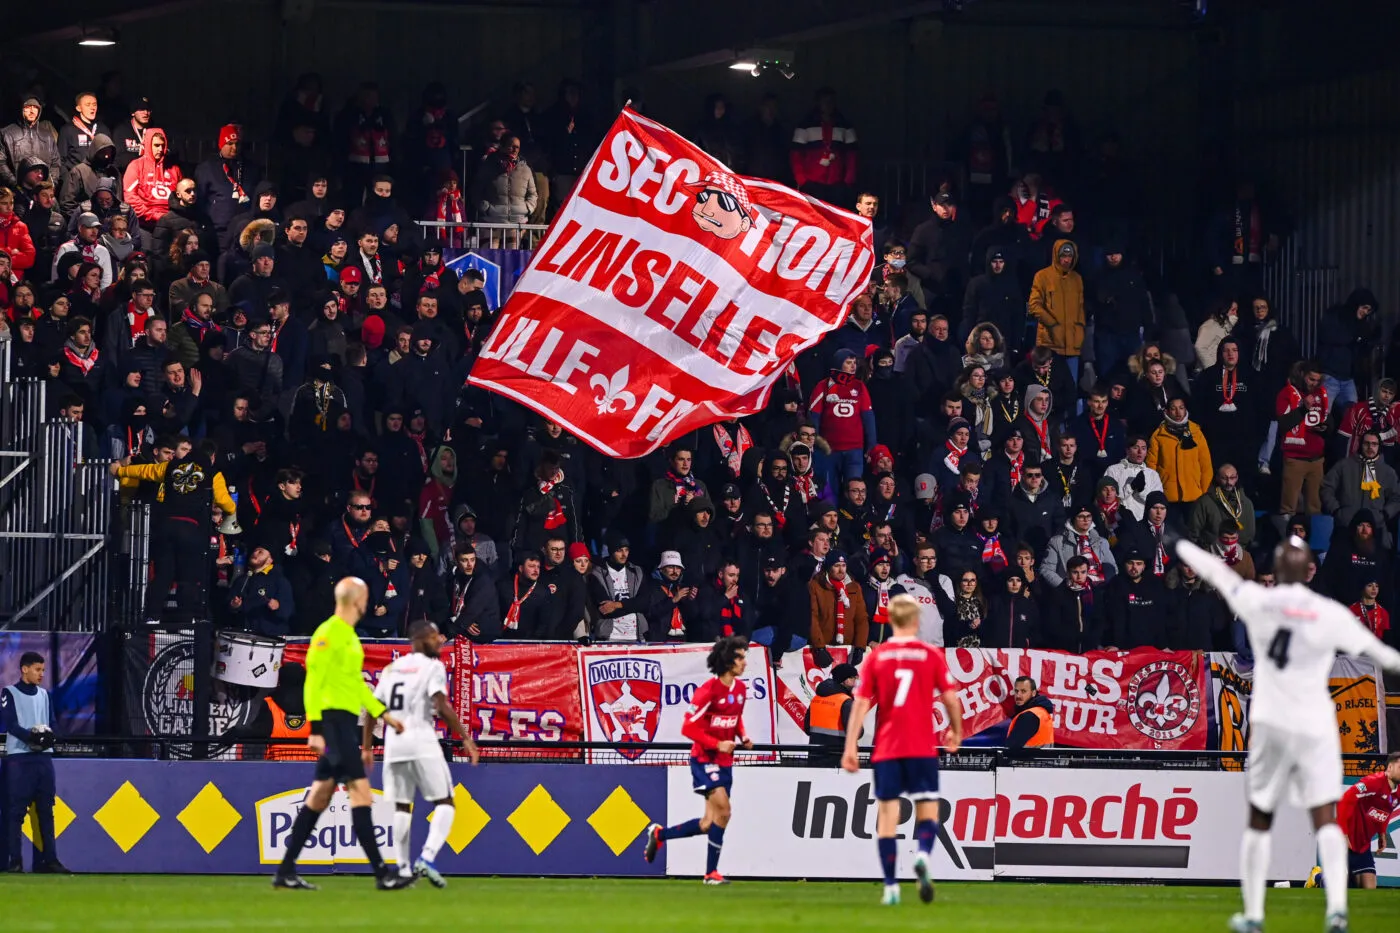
[126, 817]
[618, 820]
[469, 821]
[538, 819]
[209, 817]
[62, 816]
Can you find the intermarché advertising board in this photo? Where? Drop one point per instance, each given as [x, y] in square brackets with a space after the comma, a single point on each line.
[1016, 822]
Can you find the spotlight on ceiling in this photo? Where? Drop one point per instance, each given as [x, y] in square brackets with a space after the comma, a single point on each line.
[97, 37]
[758, 61]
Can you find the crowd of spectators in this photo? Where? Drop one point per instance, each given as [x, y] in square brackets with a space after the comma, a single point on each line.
[1005, 425]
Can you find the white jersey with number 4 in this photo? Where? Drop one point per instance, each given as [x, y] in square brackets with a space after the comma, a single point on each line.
[1294, 634]
[407, 687]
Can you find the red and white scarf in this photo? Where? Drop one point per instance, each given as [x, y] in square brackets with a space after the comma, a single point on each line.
[374, 271]
[84, 363]
[806, 486]
[733, 449]
[954, 456]
[422, 451]
[779, 511]
[136, 321]
[843, 602]
[1231, 554]
[1159, 552]
[556, 518]
[1086, 551]
[677, 628]
[1018, 463]
[512, 620]
[882, 601]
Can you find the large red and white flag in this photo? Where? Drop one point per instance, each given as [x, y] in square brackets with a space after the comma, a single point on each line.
[669, 294]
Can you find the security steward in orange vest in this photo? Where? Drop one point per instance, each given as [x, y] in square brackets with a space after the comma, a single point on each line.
[1033, 720]
[827, 715]
[282, 715]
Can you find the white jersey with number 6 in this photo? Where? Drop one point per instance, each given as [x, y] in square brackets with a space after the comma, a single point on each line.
[407, 687]
[1294, 634]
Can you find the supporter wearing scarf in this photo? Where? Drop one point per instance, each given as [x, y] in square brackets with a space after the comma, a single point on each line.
[1084, 547]
[1229, 551]
[993, 555]
[777, 508]
[1109, 509]
[512, 619]
[1181, 430]
[804, 484]
[675, 590]
[838, 584]
[197, 325]
[451, 209]
[732, 447]
[84, 358]
[136, 320]
[549, 476]
[955, 452]
[684, 483]
[420, 439]
[1370, 482]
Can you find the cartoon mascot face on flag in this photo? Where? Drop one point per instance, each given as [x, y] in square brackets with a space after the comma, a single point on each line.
[722, 206]
[628, 708]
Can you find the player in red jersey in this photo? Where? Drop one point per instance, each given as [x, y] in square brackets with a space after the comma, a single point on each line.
[903, 678]
[1364, 812]
[715, 723]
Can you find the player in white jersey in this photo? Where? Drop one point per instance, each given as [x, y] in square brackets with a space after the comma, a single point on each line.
[1294, 634]
[415, 688]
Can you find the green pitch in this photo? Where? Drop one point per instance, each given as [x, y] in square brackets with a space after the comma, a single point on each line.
[94, 904]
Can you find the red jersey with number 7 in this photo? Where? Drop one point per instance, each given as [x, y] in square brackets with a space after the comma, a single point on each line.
[903, 678]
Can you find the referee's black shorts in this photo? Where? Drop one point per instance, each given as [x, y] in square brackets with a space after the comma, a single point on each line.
[341, 759]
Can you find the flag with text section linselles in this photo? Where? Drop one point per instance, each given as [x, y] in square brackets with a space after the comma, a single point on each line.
[669, 294]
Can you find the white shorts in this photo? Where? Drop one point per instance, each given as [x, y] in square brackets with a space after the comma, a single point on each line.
[429, 776]
[1308, 767]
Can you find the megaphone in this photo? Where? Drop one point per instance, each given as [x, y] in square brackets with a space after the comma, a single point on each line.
[230, 526]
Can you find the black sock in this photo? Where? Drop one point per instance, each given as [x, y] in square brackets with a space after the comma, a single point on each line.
[301, 831]
[364, 831]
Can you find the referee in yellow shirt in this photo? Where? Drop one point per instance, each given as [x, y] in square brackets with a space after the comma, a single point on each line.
[335, 693]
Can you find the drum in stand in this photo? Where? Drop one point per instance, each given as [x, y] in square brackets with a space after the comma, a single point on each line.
[248, 659]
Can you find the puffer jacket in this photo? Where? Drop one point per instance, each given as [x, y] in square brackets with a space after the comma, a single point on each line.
[148, 183]
[1186, 474]
[505, 196]
[1057, 304]
[16, 240]
[19, 142]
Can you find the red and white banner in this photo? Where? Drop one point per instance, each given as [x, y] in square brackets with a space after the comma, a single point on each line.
[520, 692]
[669, 294]
[636, 696]
[1144, 699]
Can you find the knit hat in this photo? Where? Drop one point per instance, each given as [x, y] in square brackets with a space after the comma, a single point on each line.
[1106, 481]
[578, 549]
[841, 356]
[879, 555]
[372, 332]
[615, 540]
[263, 251]
[228, 133]
[1156, 497]
[835, 557]
[844, 672]
[198, 256]
[958, 424]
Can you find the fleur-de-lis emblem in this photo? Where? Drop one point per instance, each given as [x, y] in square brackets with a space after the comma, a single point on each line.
[1161, 705]
[612, 391]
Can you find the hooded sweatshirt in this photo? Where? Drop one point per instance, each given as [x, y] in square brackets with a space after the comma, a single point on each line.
[1057, 303]
[83, 177]
[149, 182]
[435, 502]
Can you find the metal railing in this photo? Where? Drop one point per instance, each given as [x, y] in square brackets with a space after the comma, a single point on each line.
[1300, 295]
[55, 510]
[470, 236]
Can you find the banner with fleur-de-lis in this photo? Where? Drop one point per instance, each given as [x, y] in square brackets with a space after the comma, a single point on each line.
[670, 294]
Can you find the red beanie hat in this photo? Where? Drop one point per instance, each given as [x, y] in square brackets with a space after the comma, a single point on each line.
[372, 332]
[578, 549]
[228, 134]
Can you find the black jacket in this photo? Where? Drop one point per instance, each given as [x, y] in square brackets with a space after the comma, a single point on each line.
[472, 601]
[1344, 341]
[1012, 622]
[938, 257]
[1035, 521]
[996, 298]
[1136, 614]
[1120, 301]
[1072, 621]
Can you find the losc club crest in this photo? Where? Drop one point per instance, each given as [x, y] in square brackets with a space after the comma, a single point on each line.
[1163, 702]
[626, 698]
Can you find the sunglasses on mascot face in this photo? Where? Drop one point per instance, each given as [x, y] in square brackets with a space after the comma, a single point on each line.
[726, 201]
